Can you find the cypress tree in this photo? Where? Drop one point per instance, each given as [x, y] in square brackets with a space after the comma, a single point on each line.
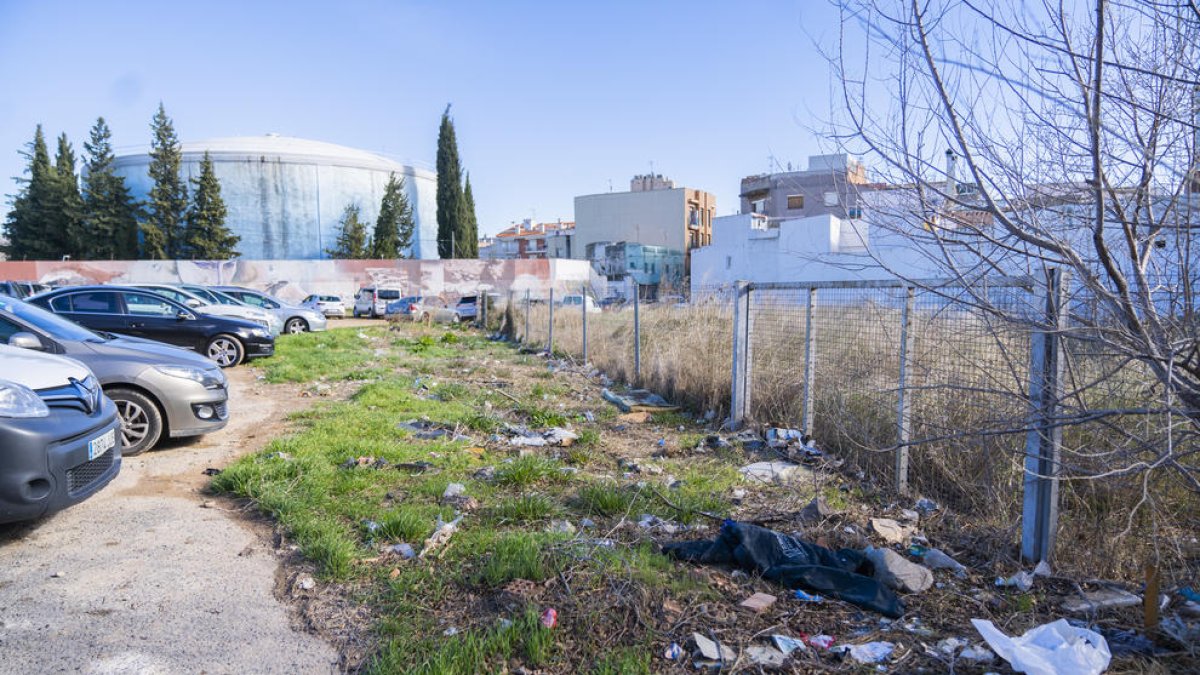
[66, 232]
[109, 210]
[395, 216]
[467, 239]
[205, 236]
[449, 189]
[351, 241]
[28, 221]
[162, 231]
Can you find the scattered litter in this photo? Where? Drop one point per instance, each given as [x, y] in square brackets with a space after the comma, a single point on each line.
[950, 646]
[454, 490]
[1049, 649]
[210, 471]
[926, 506]
[634, 418]
[819, 641]
[650, 521]
[891, 531]
[909, 516]
[1023, 581]
[805, 596]
[561, 527]
[456, 495]
[714, 653]
[674, 652]
[371, 526]
[781, 438]
[305, 582]
[450, 632]
[793, 563]
[58, 575]
[977, 653]
[587, 523]
[403, 550]
[440, 536]
[738, 495]
[589, 416]
[1105, 598]
[487, 473]
[771, 472]
[938, 560]
[749, 440]
[787, 644]
[871, 652]
[816, 511]
[550, 617]
[897, 572]
[758, 603]
[766, 657]
[415, 467]
[638, 400]
[556, 436]
[279, 455]
[426, 430]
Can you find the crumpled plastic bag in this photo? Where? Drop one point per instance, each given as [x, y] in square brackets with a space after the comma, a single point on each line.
[1056, 648]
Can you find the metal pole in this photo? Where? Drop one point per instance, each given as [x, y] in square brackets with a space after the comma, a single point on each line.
[527, 303]
[637, 333]
[737, 408]
[1043, 442]
[481, 300]
[903, 400]
[583, 293]
[550, 330]
[810, 359]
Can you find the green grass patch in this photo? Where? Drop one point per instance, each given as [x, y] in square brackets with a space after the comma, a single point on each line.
[340, 353]
[530, 469]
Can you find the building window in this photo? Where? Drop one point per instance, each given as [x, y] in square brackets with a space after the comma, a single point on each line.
[854, 212]
[758, 205]
[831, 199]
[795, 202]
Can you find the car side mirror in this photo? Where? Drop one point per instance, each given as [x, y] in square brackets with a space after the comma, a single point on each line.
[25, 340]
[193, 303]
[184, 316]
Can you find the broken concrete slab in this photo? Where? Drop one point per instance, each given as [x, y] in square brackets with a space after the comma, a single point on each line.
[713, 652]
[758, 603]
[894, 570]
[1105, 598]
[765, 657]
[891, 531]
[638, 400]
[772, 472]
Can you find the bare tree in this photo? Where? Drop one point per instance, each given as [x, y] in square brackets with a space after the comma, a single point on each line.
[1011, 138]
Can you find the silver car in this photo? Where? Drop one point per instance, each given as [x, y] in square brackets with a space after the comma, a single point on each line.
[159, 390]
[296, 319]
[329, 305]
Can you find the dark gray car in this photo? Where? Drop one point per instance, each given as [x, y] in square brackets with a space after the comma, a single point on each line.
[160, 390]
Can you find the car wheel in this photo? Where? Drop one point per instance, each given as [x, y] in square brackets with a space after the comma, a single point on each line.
[141, 421]
[226, 350]
[296, 325]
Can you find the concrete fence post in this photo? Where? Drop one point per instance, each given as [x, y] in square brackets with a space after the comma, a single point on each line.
[637, 334]
[1043, 441]
[738, 410]
[550, 326]
[527, 304]
[903, 399]
[810, 359]
[583, 302]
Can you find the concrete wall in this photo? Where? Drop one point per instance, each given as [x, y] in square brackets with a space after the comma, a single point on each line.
[295, 279]
[654, 217]
[290, 210]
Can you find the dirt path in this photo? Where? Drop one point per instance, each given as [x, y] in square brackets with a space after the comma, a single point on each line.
[156, 577]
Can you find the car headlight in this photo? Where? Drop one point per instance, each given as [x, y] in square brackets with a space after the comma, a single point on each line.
[209, 378]
[17, 400]
[260, 332]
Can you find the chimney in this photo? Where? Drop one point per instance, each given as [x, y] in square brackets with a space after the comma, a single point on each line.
[951, 164]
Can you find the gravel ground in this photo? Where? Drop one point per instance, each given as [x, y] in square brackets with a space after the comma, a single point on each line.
[157, 577]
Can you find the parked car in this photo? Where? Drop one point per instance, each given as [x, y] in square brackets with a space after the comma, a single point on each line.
[59, 433]
[371, 301]
[329, 305]
[219, 298]
[21, 289]
[577, 301]
[159, 390]
[296, 319]
[467, 308]
[204, 305]
[133, 311]
[413, 307]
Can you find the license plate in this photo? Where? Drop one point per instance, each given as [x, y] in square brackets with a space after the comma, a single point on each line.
[101, 445]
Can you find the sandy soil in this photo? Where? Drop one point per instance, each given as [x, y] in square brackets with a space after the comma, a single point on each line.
[157, 576]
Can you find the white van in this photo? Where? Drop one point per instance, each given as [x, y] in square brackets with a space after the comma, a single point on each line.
[372, 301]
[578, 301]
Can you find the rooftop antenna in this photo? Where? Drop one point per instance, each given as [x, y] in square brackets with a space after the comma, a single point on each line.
[651, 171]
[610, 185]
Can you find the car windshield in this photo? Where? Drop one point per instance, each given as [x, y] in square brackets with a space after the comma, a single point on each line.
[388, 294]
[225, 299]
[53, 324]
[201, 292]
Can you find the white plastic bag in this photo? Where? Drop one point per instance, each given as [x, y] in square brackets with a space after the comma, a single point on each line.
[1056, 648]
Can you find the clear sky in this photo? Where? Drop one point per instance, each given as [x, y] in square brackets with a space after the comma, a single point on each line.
[551, 99]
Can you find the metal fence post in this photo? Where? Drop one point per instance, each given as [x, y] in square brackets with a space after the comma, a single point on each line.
[810, 359]
[583, 302]
[527, 303]
[903, 400]
[550, 329]
[637, 333]
[481, 301]
[1043, 441]
[738, 408]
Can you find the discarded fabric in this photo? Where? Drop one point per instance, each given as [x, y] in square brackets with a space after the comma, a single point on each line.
[871, 652]
[794, 563]
[771, 472]
[1050, 649]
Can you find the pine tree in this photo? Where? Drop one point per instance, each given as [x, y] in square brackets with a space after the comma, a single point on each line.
[162, 232]
[467, 238]
[395, 218]
[205, 236]
[351, 241]
[28, 221]
[109, 211]
[449, 189]
[66, 232]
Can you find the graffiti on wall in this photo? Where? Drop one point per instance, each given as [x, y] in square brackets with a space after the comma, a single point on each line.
[293, 280]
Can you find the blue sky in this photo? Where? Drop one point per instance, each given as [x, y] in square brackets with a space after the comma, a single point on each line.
[550, 99]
